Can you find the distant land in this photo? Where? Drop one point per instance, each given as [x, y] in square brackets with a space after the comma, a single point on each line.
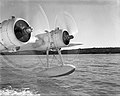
[107, 50]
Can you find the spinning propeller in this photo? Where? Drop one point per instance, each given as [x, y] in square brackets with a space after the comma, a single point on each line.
[65, 28]
[66, 22]
[27, 21]
[32, 13]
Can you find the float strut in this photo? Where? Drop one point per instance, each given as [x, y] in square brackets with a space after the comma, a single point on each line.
[60, 55]
[48, 58]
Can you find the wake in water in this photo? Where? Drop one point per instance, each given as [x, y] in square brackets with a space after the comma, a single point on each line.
[18, 92]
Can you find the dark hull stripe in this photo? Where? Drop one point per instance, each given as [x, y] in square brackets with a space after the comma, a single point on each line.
[65, 73]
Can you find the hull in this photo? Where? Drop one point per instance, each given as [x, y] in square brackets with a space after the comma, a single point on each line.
[57, 71]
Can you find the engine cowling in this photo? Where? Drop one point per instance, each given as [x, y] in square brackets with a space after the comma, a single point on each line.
[14, 32]
[51, 40]
[57, 39]
[60, 38]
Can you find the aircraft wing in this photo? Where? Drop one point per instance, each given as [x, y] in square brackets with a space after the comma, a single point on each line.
[28, 46]
[73, 44]
[33, 46]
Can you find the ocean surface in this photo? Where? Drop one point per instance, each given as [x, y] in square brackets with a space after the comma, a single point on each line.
[95, 75]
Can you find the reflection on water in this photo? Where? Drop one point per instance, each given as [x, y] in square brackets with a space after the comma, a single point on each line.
[95, 75]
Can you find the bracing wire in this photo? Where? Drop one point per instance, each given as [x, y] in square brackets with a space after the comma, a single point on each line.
[54, 57]
[40, 61]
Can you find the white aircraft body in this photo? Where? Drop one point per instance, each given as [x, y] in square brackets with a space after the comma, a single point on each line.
[14, 32]
[16, 35]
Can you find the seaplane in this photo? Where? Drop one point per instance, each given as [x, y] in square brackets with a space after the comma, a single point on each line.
[16, 34]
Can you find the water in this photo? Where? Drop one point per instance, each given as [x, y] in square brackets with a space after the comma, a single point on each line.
[95, 75]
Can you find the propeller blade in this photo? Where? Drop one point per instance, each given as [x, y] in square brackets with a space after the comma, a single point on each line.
[65, 21]
[31, 12]
[46, 18]
[40, 21]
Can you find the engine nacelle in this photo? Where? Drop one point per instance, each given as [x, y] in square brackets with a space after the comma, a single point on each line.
[51, 40]
[58, 39]
[14, 32]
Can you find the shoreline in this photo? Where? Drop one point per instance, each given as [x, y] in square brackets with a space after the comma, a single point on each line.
[110, 50]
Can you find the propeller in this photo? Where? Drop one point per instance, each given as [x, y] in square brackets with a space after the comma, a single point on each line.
[40, 22]
[65, 21]
[31, 12]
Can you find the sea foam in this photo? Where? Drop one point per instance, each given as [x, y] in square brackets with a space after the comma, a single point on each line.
[18, 92]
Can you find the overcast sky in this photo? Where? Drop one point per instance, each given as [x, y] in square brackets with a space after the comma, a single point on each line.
[98, 21]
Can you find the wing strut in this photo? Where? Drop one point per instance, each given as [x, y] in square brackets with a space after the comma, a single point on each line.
[48, 58]
[60, 55]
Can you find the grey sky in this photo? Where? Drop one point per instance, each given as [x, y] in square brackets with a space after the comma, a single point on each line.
[98, 21]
